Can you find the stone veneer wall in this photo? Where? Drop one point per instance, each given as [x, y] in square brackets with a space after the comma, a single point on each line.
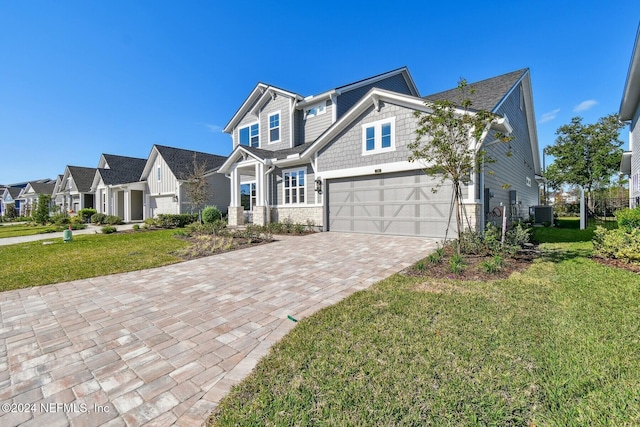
[236, 215]
[298, 215]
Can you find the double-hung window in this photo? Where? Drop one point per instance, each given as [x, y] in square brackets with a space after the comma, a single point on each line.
[249, 135]
[274, 127]
[294, 186]
[379, 136]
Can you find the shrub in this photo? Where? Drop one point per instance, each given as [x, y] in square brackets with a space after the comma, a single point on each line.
[113, 220]
[86, 214]
[98, 218]
[628, 219]
[493, 265]
[175, 220]
[108, 229]
[136, 227]
[211, 214]
[618, 243]
[518, 235]
[60, 219]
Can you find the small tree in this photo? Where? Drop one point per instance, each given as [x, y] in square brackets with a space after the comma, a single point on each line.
[448, 138]
[197, 186]
[41, 212]
[10, 211]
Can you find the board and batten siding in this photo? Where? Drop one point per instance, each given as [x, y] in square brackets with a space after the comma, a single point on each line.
[395, 83]
[167, 183]
[345, 150]
[218, 194]
[511, 171]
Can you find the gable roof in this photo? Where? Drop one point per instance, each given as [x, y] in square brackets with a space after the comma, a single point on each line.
[180, 161]
[40, 187]
[82, 177]
[486, 94]
[121, 169]
[631, 93]
[262, 90]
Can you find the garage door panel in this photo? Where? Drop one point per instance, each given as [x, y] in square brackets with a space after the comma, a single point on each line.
[400, 204]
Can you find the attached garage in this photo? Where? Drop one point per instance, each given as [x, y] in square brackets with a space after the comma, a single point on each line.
[161, 205]
[397, 204]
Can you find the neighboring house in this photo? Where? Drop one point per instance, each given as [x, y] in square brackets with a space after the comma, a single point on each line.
[30, 195]
[339, 160]
[630, 112]
[10, 196]
[57, 196]
[166, 175]
[117, 187]
[74, 189]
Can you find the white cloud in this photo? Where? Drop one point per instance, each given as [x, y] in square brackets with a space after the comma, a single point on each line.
[213, 128]
[585, 105]
[551, 115]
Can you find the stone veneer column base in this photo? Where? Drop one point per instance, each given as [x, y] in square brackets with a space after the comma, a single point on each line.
[236, 216]
[259, 215]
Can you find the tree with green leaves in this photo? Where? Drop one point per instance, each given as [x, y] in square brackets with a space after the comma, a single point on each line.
[449, 136]
[41, 212]
[586, 155]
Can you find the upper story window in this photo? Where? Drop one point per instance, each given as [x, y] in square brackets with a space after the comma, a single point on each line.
[159, 175]
[379, 136]
[274, 127]
[294, 186]
[249, 135]
[316, 110]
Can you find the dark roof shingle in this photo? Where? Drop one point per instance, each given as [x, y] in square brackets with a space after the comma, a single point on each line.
[121, 169]
[82, 177]
[180, 161]
[485, 94]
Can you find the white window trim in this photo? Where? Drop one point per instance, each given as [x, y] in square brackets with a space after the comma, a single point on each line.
[377, 146]
[528, 182]
[304, 187]
[323, 105]
[248, 125]
[269, 128]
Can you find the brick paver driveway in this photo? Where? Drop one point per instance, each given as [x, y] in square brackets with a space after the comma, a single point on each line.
[162, 346]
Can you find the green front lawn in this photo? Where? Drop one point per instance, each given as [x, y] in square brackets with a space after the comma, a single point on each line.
[24, 230]
[91, 255]
[556, 345]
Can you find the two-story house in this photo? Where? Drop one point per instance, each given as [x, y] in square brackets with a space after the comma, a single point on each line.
[339, 159]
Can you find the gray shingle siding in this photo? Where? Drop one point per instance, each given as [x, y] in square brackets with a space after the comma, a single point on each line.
[345, 151]
[512, 170]
[395, 83]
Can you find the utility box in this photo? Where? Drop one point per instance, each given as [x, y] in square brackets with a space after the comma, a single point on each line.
[513, 199]
[541, 214]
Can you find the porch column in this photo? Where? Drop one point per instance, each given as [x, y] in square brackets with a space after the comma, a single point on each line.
[236, 211]
[259, 210]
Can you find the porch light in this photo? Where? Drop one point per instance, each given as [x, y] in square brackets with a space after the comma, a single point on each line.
[175, 198]
[318, 183]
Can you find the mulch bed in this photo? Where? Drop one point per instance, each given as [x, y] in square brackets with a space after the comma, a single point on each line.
[631, 266]
[473, 269]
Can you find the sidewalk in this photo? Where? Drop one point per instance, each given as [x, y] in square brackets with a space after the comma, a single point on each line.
[91, 229]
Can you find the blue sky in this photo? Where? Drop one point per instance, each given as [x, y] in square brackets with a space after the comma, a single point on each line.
[81, 78]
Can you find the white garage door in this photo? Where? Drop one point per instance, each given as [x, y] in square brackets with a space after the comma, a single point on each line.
[398, 204]
[162, 205]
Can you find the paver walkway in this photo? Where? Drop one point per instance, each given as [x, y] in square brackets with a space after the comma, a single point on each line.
[163, 346]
